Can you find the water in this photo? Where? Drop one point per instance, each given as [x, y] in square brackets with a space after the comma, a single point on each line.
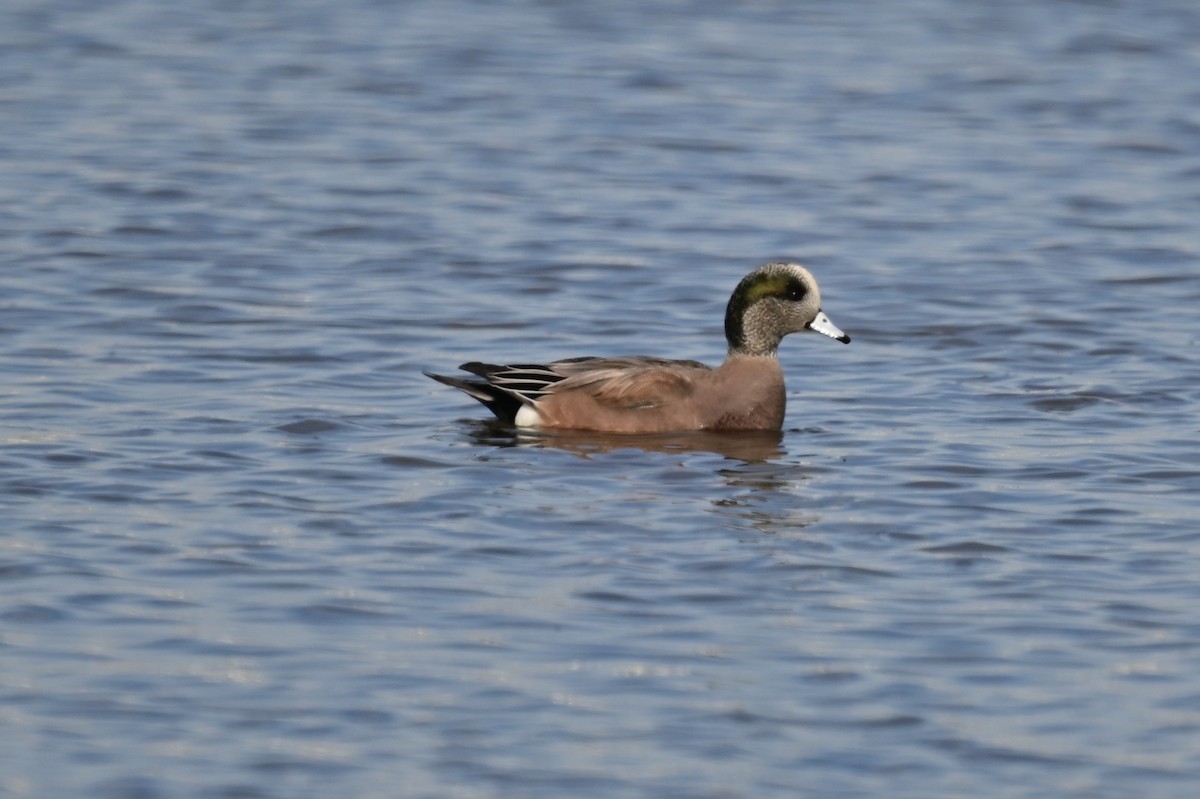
[250, 551]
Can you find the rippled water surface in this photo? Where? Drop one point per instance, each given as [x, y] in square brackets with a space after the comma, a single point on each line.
[248, 550]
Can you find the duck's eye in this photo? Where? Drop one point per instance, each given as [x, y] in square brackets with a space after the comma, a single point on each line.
[796, 292]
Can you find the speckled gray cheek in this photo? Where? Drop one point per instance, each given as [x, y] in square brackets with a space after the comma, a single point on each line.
[759, 330]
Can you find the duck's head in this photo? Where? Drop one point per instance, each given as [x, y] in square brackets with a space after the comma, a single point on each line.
[770, 302]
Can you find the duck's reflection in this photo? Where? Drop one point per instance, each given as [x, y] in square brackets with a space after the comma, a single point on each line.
[763, 489]
[750, 446]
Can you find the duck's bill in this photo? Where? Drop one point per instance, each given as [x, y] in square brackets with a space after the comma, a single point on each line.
[822, 325]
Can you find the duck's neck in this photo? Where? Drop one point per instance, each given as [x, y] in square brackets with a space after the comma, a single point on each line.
[736, 354]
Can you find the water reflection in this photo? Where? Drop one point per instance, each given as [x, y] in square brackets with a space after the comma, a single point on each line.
[768, 498]
[758, 487]
[749, 446]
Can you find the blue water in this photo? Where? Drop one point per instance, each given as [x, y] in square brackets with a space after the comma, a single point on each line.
[248, 550]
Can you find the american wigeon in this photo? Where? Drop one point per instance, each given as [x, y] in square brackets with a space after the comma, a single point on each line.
[643, 394]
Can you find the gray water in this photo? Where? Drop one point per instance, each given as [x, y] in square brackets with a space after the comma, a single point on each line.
[248, 550]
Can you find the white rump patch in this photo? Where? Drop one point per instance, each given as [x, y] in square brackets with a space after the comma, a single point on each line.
[527, 416]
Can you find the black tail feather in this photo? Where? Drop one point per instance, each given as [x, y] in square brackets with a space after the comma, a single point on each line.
[505, 388]
[503, 404]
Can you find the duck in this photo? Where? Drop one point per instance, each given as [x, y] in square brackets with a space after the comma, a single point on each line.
[647, 394]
